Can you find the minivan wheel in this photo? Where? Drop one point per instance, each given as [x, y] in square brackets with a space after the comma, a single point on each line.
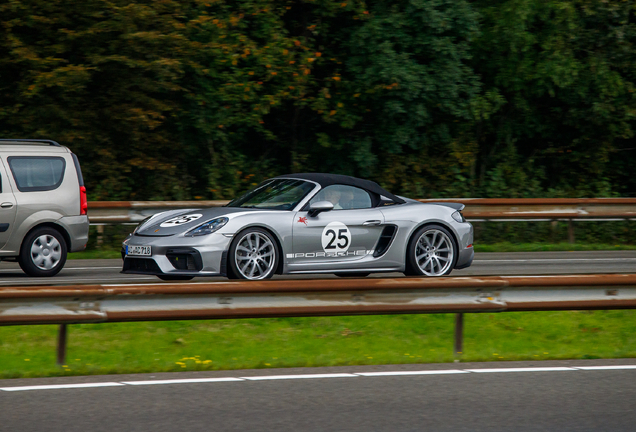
[43, 252]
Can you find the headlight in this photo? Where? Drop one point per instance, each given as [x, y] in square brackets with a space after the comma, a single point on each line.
[458, 216]
[207, 228]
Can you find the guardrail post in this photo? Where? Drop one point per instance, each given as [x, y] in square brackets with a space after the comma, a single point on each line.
[61, 345]
[459, 334]
[100, 236]
[570, 231]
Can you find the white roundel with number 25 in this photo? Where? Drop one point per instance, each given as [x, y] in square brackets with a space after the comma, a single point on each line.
[336, 237]
[180, 220]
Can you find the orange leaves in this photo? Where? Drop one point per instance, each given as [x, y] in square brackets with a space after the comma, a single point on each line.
[336, 78]
[307, 71]
[274, 73]
[391, 87]
[318, 54]
[297, 42]
[332, 112]
[285, 52]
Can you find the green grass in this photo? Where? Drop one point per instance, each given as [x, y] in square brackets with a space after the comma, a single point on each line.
[29, 351]
[95, 254]
[542, 247]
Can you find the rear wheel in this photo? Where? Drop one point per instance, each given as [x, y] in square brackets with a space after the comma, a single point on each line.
[253, 255]
[175, 278]
[431, 252]
[43, 252]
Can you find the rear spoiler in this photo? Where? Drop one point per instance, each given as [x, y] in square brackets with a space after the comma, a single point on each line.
[456, 206]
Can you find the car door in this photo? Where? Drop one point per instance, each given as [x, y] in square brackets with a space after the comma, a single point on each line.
[337, 237]
[7, 207]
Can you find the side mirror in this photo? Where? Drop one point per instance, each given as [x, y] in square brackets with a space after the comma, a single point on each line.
[319, 207]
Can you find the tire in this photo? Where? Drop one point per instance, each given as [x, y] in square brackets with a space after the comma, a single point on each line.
[43, 252]
[253, 255]
[353, 274]
[175, 278]
[432, 251]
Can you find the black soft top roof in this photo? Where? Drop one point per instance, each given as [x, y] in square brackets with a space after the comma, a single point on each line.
[325, 180]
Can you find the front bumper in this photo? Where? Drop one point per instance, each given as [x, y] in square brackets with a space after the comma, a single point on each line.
[178, 256]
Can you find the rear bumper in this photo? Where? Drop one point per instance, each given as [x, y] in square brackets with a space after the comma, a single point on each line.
[77, 229]
[465, 258]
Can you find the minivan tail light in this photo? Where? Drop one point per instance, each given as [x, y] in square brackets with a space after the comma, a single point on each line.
[83, 201]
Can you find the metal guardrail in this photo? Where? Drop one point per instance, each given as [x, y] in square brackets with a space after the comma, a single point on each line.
[323, 297]
[476, 208]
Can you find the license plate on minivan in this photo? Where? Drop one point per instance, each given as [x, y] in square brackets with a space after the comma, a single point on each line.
[138, 250]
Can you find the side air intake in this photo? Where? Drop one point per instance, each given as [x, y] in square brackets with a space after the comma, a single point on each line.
[386, 238]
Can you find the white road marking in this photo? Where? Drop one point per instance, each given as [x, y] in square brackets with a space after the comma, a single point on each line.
[424, 372]
[538, 369]
[593, 368]
[311, 376]
[181, 381]
[552, 261]
[62, 386]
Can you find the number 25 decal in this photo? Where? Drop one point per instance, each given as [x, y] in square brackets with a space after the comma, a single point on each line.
[342, 235]
[336, 237]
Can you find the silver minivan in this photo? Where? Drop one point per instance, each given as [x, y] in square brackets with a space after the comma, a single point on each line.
[43, 205]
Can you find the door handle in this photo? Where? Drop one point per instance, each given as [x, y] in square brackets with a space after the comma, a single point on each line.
[6, 205]
[372, 223]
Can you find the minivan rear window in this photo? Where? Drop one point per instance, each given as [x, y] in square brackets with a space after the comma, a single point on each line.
[37, 173]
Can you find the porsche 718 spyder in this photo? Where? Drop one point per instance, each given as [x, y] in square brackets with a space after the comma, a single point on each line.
[303, 223]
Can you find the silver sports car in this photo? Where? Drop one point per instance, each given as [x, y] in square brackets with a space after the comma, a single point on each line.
[303, 223]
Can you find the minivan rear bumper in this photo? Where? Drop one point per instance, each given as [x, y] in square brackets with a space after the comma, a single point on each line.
[77, 229]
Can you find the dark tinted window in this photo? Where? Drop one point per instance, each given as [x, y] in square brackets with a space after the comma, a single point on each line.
[36, 173]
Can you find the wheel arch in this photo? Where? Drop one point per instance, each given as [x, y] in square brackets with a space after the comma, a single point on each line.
[52, 225]
[279, 245]
[425, 224]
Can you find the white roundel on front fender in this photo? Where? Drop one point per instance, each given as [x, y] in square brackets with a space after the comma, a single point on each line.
[336, 237]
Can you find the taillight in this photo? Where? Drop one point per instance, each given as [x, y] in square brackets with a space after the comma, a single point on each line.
[83, 201]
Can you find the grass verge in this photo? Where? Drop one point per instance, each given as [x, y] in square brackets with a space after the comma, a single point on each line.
[29, 351]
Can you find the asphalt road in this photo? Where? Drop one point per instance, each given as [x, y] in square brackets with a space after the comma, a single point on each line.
[485, 264]
[559, 398]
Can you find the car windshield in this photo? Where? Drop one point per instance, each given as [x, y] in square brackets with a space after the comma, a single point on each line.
[277, 194]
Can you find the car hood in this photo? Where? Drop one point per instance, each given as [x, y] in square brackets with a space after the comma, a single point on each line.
[179, 221]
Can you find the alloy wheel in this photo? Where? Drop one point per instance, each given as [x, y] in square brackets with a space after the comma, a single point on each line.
[255, 256]
[434, 252]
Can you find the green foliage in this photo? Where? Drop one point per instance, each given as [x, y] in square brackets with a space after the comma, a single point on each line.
[432, 98]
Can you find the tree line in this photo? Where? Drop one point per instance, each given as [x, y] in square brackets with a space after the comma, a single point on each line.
[201, 99]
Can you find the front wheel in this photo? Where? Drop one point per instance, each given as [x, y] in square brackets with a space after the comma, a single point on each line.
[43, 252]
[431, 252]
[253, 255]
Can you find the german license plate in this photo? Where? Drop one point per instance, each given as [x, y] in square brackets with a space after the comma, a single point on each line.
[138, 250]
